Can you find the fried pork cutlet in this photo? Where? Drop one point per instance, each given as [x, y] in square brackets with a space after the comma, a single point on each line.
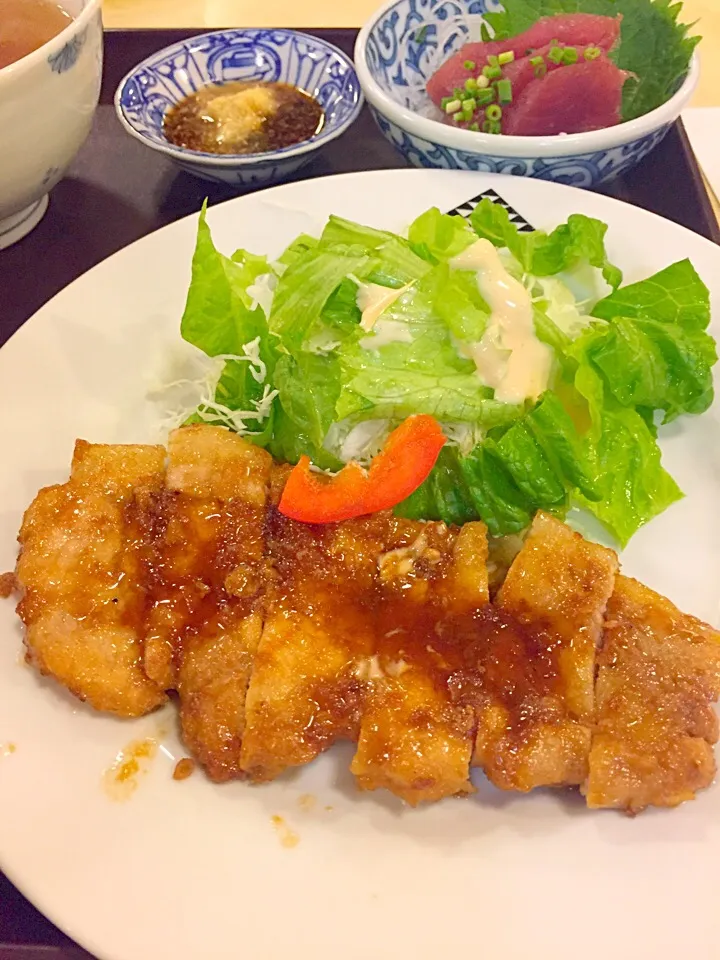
[415, 738]
[77, 572]
[659, 673]
[536, 708]
[204, 569]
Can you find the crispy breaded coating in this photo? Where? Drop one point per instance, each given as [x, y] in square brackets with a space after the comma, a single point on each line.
[207, 527]
[77, 570]
[415, 739]
[214, 673]
[204, 569]
[659, 673]
[306, 690]
[535, 725]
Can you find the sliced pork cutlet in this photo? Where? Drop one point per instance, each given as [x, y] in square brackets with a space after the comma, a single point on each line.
[205, 574]
[308, 682]
[82, 604]
[659, 673]
[535, 699]
[415, 738]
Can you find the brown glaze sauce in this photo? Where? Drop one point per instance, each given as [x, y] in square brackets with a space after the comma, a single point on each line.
[354, 581]
[183, 550]
[243, 117]
[482, 657]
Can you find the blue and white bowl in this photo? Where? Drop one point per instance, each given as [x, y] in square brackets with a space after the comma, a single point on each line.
[162, 80]
[400, 48]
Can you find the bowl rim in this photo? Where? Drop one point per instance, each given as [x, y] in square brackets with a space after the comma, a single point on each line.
[39, 55]
[558, 145]
[238, 159]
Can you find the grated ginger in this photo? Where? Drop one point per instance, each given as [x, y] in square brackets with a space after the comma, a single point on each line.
[240, 114]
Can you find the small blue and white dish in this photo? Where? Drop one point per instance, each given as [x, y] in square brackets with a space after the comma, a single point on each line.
[403, 44]
[288, 56]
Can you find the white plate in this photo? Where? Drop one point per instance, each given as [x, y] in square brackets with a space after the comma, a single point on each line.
[192, 871]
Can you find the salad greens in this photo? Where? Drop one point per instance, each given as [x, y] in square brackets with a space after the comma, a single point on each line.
[654, 47]
[302, 371]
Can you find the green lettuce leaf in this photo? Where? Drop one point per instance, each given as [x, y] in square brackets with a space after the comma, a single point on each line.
[288, 444]
[581, 239]
[420, 371]
[309, 387]
[304, 289]
[457, 301]
[217, 318]
[674, 295]
[298, 249]
[660, 366]
[439, 236]
[251, 267]
[535, 463]
[346, 232]
[634, 485]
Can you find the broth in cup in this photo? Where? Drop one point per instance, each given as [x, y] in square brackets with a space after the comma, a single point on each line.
[26, 25]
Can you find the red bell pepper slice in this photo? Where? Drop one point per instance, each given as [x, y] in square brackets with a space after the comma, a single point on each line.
[404, 462]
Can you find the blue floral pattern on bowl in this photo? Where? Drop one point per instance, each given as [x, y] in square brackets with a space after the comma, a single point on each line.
[66, 58]
[578, 170]
[319, 68]
[409, 40]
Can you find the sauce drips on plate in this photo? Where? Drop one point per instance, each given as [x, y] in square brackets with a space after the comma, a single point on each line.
[244, 117]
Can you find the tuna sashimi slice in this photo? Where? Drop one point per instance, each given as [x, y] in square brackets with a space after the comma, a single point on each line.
[580, 97]
[576, 29]
[521, 72]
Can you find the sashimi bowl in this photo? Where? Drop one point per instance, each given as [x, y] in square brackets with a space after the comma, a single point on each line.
[163, 80]
[404, 43]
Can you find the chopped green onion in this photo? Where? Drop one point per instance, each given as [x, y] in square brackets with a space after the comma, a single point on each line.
[458, 93]
[504, 91]
[539, 66]
[493, 112]
[592, 53]
[471, 84]
[491, 126]
[453, 106]
[554, 43]
[482, 82]
[556, 54]
[474, 127]
[457, 117]
[570, 55]
[492, 73]
[506, 57]
[493, 61]
[421, 33]
[469, 104]
[444, 102]
[483, 97]
[468, 115]
[469, 64]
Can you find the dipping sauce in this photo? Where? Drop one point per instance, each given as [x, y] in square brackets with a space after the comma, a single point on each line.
[243, 117]
[26, 25]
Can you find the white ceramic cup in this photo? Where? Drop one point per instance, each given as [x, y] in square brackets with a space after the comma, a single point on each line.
[47, 103]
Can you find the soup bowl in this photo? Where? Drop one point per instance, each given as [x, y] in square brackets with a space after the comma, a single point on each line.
[47, 103]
